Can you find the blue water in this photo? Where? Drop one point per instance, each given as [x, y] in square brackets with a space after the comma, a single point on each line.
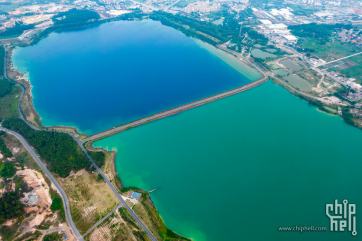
[101, 77]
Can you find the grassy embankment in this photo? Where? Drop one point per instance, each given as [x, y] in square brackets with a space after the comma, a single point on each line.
[118, 226]
[145, 209]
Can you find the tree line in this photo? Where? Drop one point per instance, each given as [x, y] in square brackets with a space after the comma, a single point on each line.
[230, 30]
[10, 205]
[3, 148]
[5, 87]
[75, 15]
[319, 31]
[98, 157]
[15, 31]
[8, 170]
[59, 150]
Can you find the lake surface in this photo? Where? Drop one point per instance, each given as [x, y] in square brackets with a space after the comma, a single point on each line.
[290, 64]
[234, 169]
[262, 54]
[105, 76]
[218, 21]
[240, 167]
[298, 82]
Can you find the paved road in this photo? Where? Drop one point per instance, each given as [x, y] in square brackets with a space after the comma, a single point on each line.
[24, 34]
[69, 217]
[52, 179]
[100, 221]
[49, 231]
[166, 8]
[124, 204]
[272, 75]
[339, 59]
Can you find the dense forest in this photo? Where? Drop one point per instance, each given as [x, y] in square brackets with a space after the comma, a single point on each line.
[4, 149]
[319, 31]
[62, 26]
[98, 157]
[59, 150]
[230, 30]
[75, 16]
[8, 170]
[5, 87]
[10, 206]
[15, 31]
[2, 55]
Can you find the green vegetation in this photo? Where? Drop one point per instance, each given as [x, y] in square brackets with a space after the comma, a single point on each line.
[2, 56]
[10, 206]
[139, 235]
[98, 157]
[127, 217]
[4, 150]
[56, 204]
[336, 48]
[5, 87]
[348, 116]
[56, 200]
[84, 20]
[208, 32]
[53, 237]
[7, 170]
[182, 4]
[318, 31]
[9, 102]
[99, 177]
[163, 231]
[15, 31]
[303, 10]
[59, 150]
[75, 16]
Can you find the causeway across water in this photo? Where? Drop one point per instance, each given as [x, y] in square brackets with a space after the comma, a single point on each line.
[179, 109]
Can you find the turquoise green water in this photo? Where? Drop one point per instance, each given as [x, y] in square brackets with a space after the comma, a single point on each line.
[238, 168]
[122, 71]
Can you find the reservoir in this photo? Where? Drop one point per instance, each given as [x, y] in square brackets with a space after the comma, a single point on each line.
[240, 167]
[105, 76]
[234, 169]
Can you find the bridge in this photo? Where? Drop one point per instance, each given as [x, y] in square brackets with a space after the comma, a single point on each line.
[178, 109]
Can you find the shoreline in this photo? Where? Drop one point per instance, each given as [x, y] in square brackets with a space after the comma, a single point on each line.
[30, 113]
[27, 105]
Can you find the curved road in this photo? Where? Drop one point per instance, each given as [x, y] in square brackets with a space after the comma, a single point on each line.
[50, 176]
[37, 159]
[68, 215]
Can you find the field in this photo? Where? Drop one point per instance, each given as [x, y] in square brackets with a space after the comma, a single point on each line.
[335, 50]
[90, 199]
[114, 228]
[302, 10]
[142, 214]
